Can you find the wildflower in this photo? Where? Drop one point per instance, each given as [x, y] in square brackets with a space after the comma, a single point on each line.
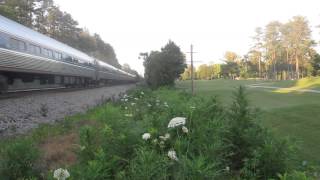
[177, 121]
[162, 144]
[126, 100]
[227, 168]
[136, 99]
[149, 105]
[165, 137]
[192, 107]
[155, 141]
[185, 129]
[166, 104]
[61, 174]
[132, 104]
[146, 136]
[172, 155]
[126, 108]
[128, 115]
[142, 93]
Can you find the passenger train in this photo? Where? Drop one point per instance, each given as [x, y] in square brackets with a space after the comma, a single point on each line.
[30, 60]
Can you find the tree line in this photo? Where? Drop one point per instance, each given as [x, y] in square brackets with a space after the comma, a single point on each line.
[279, 51]
[47, 18]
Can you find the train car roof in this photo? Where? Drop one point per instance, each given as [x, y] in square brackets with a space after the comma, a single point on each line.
[103, 64]
[21, 31]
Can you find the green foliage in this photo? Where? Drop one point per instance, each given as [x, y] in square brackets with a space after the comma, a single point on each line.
[295, 175]
[222, 142]
[148, 164]
[315, 62]
[88, 141]
[253, 150]
[18, 160]
[164, 67]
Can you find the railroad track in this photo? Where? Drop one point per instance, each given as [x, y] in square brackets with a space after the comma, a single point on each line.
[38, 91]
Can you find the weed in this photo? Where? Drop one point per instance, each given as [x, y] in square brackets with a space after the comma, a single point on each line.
[18, 160]
[44, 109]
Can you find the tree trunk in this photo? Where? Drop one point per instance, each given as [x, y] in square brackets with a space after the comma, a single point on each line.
[259, 66]
[288, 65]
[297, 66]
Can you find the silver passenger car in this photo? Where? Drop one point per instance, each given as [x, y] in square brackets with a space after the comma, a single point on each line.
[25, 52]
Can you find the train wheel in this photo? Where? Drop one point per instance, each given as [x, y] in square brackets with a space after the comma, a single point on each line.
[3, 84]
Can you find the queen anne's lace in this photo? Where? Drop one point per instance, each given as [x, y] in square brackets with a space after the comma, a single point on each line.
[61, 174]
[172, 155]
[165, 137]
[146, 136]
[185, 129]
[177, 121]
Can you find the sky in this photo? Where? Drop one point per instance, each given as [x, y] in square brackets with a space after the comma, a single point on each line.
[212, 26]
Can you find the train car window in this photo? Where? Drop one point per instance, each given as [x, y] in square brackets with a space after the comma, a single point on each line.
[67, 58]
[37, 50]
[64, 57]
[34, 49]
[56, 55]
[75, 60]
[59, 56]
[14, 44]
[22, 46]
[45, 52]
[50, 54]
[2, 40]
[31, 48]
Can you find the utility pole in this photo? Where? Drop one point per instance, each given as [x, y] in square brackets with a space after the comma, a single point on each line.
[191, 62]
[192, 83]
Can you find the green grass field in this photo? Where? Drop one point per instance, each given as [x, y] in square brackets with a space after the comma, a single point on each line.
[293, 114]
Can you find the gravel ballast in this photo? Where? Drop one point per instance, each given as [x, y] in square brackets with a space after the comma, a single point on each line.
[19, 115]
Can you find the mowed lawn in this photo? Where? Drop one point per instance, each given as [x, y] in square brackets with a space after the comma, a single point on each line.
[293, 114]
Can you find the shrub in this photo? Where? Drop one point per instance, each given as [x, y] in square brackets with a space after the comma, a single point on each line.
[18, 160]
[254, 151]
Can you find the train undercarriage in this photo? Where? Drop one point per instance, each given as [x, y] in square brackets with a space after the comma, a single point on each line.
[13, 81]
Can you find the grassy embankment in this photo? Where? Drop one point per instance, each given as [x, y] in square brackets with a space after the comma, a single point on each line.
[106, 141]
[288, 113]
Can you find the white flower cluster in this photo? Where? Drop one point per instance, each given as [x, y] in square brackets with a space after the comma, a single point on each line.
[177, 121]
[172, 155]
[146, 136]
[227, 168]
[185, 129]
[128, 115]
[125, 98]
[61, 174]
[165, 137]
[166, 104]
